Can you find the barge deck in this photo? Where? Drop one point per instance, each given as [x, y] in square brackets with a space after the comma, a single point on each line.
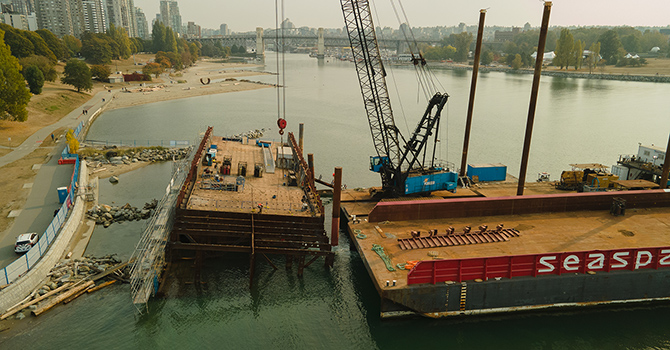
[519, 253]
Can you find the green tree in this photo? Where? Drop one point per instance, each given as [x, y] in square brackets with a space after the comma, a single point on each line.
[438, 53]
[578, 54]
[170, 40]
[594, 56]
[516, 62]
[19, 44]
[14, 96]
[41, 62]
[462, 46]
[55, 45]
[532, 37]
[35, 79]
[96, 49]
[195, 51]
[609, 46]
[173, 59]
[120, 37]
[564, 49]
[486, 57]
[77, 74]
[72, 44]
[41, 48]
[158, 36]
[652, 39]
[632, 42]
[100, 72]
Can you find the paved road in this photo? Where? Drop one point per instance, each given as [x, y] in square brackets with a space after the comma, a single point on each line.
[38, 211]
[70, 120]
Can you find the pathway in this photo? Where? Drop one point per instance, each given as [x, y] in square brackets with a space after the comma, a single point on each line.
[70, 120]
[37, 213]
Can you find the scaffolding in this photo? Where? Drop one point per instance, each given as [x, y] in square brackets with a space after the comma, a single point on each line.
[148, 259]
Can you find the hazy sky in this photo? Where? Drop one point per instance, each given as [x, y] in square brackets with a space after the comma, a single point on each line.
[246, 15]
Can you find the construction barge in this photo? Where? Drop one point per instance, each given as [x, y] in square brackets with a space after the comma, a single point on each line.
[249, 196]
[478, 255]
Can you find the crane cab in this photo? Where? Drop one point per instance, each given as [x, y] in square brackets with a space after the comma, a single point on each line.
[377, 162]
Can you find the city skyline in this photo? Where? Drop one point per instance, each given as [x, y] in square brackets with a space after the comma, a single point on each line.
[246, 16]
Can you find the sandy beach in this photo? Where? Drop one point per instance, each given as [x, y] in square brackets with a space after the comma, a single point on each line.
[222, 77]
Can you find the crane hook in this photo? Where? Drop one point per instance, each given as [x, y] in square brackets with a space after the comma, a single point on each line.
[281, 123]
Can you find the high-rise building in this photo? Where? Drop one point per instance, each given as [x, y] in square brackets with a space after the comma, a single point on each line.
[15, 20]
[77, 17]
[113, 9]
[128, 20]
[170, 15]
[142, 25]
[20, 7]
[54, 15]
[193, 30]
[223, 29]
[121, 13]
[94, 16]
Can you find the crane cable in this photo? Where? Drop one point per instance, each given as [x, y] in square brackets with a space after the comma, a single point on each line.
[393, 79]
[427, 79]
[281, 93]
[426, 76]
[419, 63]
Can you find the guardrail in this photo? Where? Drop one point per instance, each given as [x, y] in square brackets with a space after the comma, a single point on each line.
[21, 265]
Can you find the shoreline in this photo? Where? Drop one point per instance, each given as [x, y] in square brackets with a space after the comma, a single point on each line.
[205, 78]
[562, 74]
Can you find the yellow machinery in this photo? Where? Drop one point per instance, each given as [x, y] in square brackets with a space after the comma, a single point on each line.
[571, 180]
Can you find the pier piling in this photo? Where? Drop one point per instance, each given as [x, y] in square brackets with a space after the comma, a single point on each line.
[533, 97]
[301, 134]
[666, 167]
[337, 192]
[473, 87]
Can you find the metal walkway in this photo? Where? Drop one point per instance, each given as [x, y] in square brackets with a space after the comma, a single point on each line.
[149, 255]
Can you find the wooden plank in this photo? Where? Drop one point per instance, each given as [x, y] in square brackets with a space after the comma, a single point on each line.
[102, 285]
[19, 307]
[61, 297]
[381, 233]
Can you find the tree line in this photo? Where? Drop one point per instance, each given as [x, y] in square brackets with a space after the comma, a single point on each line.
[609, 45]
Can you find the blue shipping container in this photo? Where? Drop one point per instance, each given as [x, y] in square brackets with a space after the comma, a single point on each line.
[487, 172]
[433, 182]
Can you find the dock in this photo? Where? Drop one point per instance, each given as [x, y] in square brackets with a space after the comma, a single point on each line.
[249, 196]
[440, 257]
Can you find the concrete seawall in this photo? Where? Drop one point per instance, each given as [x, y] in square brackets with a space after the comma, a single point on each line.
[22, 287]
[597, 76]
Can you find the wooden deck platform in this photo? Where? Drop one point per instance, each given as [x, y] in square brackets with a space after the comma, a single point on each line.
[217, 192]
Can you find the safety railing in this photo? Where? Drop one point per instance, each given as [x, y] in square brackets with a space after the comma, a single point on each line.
[23, 264]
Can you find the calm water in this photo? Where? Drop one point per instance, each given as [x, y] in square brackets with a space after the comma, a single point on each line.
[577, 121]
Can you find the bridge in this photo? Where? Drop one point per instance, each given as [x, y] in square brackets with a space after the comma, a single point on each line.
[320, 41]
